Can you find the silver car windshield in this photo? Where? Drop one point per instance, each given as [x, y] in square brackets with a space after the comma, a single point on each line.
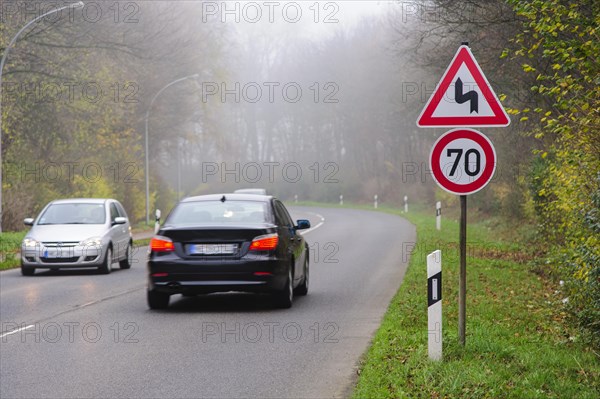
[217, 212]
[73, 213]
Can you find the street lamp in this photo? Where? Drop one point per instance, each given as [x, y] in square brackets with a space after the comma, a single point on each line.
[194, 76]
[178, 169]
[79, 4]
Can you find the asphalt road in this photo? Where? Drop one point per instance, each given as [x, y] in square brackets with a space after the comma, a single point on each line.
[86, 335]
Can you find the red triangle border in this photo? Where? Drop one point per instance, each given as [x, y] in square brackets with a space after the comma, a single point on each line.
[463, 56]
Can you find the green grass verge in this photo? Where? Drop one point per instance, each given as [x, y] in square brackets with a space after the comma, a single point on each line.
[144, 242]
[10, 245]
[517, 345]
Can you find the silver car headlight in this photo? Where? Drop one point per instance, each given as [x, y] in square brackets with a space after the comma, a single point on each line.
[29, 242]
[91, 242]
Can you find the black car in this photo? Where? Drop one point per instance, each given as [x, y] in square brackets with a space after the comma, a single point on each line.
[228, 242]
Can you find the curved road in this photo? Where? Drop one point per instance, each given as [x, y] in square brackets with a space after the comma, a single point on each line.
[86, 335]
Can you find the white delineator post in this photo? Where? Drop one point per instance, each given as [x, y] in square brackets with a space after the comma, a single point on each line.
[341, 200]
[157, 221]
[296, 198]
[375, 201]
[405, 204]
[434, 303]
[438, 215]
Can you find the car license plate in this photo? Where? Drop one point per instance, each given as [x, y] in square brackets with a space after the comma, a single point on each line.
[212, 249]
[58, 253]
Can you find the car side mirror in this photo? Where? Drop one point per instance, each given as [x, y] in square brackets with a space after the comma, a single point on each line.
[120, 220]
[302, 224]
[28, 221]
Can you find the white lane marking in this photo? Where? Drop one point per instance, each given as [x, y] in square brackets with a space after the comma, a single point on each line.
[314, 227]
[75, 308]
[17, 330]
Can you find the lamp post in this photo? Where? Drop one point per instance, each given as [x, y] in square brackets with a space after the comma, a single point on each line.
[195, 76]
[79, 4]
[178, 170]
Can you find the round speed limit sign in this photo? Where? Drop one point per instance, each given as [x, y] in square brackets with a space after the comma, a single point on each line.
[462, 161]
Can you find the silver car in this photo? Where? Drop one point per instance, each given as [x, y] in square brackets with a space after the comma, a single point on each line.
[77, 233]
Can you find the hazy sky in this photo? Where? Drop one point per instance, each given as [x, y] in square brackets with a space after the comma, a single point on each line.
[308, 19]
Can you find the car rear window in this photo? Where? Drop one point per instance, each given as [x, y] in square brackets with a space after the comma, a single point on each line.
[73, 213]
[217, 212]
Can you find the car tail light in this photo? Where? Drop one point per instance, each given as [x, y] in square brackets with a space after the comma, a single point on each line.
[264, 243]
[161, 244]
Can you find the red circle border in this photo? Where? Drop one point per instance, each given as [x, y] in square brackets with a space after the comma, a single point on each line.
[482, 180]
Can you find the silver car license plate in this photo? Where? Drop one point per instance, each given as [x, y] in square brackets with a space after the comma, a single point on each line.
[212, 249]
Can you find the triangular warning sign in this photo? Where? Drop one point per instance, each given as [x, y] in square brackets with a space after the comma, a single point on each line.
[463, 97]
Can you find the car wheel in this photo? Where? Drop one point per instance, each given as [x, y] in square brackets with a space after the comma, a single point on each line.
[302, 289]
[157, 300]
[284, 298]
[126, 263]
[107, 264]
[27, 271]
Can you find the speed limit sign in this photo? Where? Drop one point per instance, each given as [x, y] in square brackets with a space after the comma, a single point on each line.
[462, 161]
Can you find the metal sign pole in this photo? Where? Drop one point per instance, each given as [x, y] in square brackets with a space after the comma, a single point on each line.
[462, 284]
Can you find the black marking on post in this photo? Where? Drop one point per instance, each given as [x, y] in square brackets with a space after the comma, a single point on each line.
[434, 289]
[438, 212]
[470, 96]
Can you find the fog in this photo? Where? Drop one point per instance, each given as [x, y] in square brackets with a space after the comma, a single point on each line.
[310, 100]
[311, 108]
